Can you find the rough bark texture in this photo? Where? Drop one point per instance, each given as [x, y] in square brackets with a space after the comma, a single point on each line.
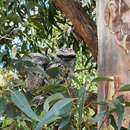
[113, 47]
[81, 22]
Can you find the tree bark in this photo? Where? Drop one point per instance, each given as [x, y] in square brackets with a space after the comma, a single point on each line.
[114, 52]
[81, 22]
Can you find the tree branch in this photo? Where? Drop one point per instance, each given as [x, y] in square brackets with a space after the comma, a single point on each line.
[81, 22]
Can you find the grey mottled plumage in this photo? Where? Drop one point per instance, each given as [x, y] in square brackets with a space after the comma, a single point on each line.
[33, 80]
[65, 59]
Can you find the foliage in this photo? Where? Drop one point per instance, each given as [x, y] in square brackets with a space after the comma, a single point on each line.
[54, 105]
[71, 104]
[35, 26]
[59, 109]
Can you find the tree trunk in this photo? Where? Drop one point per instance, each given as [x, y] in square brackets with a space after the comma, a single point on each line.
[113, 23]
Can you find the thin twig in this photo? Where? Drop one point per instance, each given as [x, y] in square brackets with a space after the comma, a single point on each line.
[80, 70]
[4, 37]
[7, 34]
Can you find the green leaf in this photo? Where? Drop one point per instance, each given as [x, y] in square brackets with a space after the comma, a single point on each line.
[127, 104]
[113, 122]
[21, 102]
[99, 117]
[7, 122]
[62, 108]
[125, 88]
[81, 102]
[75, 79]
[28, 65]
[100, 79]
[2, 54]
[37, 70]
[2, 105]
[123, 128]
[40, 124]
[53, 98]
[120, 110]
[64, 123]
[102, 103]
[53, 72]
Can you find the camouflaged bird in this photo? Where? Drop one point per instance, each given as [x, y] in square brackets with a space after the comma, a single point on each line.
[33, 79]
[64, 59]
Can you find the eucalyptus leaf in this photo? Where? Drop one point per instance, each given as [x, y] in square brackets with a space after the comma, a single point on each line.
[123, 128]
[100, 79]
[113, 122]
[82, 98]
[21, 102]
[120, 110]
[2, 105]
[53, 72]
[64, 123]
[75, 79]
[125, 88]
[7, 122]
[62, 108]
[127, 104]
[99, 117]
[29, 66]
[50, 99]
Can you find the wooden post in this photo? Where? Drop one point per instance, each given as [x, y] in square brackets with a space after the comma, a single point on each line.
[113, 25]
